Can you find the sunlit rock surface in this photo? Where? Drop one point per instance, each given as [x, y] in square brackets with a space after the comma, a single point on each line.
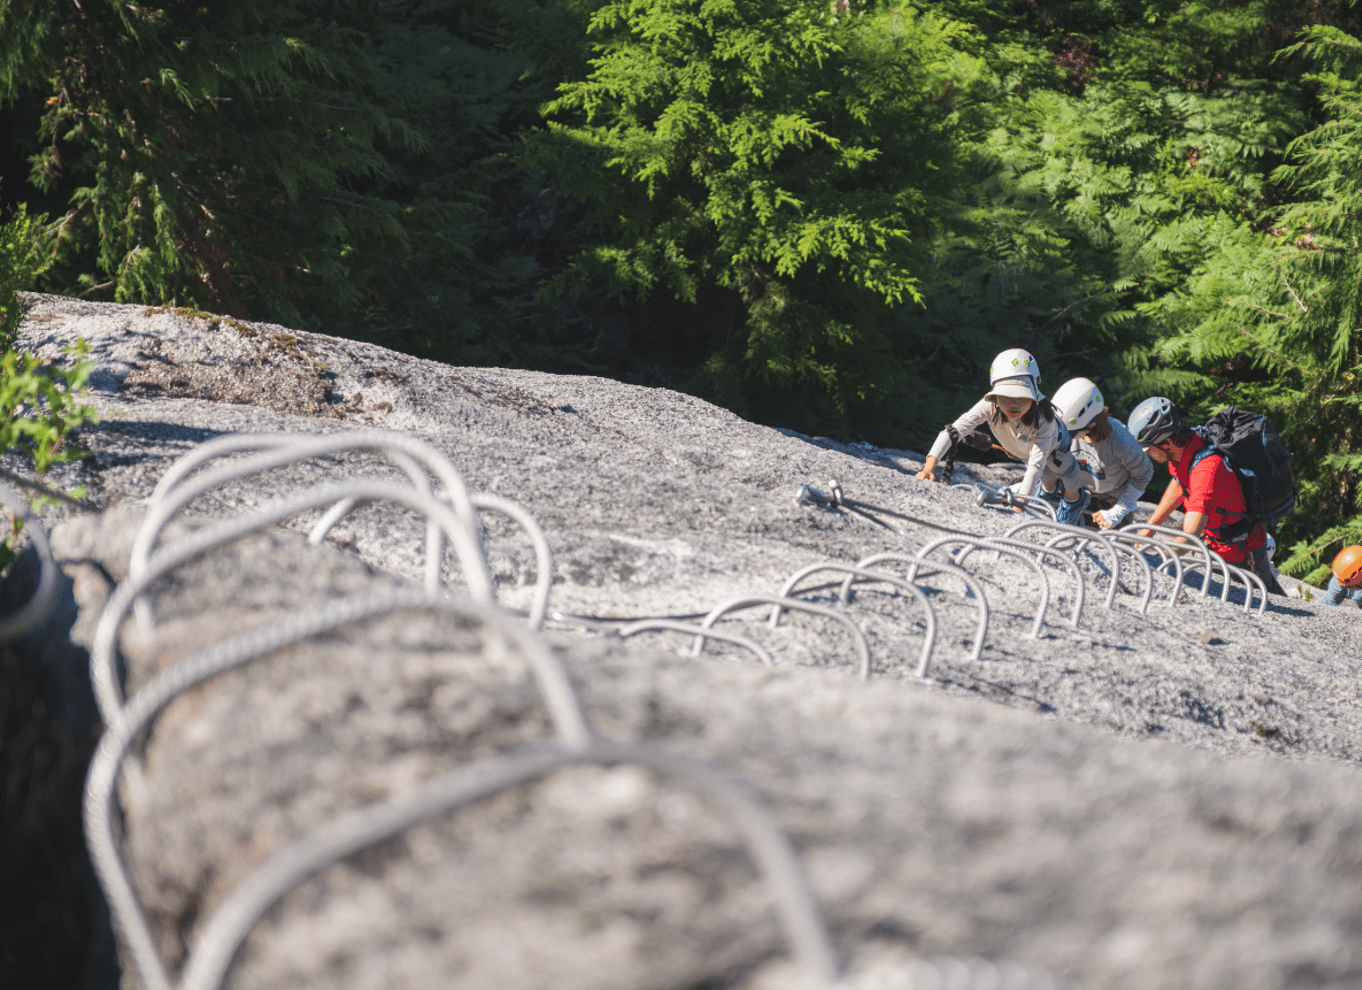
[1166, 799]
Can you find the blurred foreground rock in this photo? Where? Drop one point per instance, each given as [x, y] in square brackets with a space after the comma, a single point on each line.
[1166, 800]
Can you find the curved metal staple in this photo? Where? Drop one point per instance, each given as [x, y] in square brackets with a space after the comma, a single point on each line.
[104, 647]
[481, 500]
[1248, 576]
[238, 443]
[1126, 548]
[1080, 585]
[337, 512]
[543, 554]
[805, 930]
[172, 494]
[124, 725]
[862, 645]
[1081, 538]
[853, 572]
[974, 586]
[1031, 561]
[1196, 542]
[675, 625]
[1225, 582]
[1167, 555]
[1218, 561]
[34, 612]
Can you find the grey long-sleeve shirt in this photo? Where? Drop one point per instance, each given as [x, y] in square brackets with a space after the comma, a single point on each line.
[1117, 466]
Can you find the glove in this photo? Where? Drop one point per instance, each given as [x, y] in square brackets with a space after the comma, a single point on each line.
[1114, 516]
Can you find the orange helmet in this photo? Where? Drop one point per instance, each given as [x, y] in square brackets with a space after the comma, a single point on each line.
[1348, 566]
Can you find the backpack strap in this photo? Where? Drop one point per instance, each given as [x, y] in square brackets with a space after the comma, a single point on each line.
[1229, 530]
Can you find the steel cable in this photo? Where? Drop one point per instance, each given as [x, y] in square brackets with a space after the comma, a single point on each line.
[103, 651]
[1006, 498]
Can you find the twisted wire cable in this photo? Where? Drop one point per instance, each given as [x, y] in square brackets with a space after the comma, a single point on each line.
[176, 488]
[805, 929]
[938, 567]
[127, 723]
[1078, 541]
[675, 625]
[34, 612]
[716, 613]
[979, 543]
[103, 651]
[865, 574]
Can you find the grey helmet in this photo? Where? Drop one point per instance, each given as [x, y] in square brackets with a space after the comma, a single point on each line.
[1155, 419]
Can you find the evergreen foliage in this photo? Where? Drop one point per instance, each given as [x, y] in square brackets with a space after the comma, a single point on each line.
[40, 406]
[826, 216]
[771, 148]
[313, 163]
[1281, 308]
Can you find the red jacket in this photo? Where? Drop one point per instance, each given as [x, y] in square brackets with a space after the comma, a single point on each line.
[1213, 489]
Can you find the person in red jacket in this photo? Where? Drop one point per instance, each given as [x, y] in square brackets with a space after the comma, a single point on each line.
[1208, 491]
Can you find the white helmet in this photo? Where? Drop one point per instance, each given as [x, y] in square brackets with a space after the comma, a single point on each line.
[1014, 363]
[1078, 401]
[1015, 372]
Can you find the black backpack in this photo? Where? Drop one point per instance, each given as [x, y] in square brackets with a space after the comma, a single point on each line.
[1255, 453]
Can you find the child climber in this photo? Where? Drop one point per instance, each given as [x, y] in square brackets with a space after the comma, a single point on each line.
[1111, 464]
[1346, 581]
[1024, 424]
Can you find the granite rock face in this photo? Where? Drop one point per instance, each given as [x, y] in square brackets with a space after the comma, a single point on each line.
[1147, 800]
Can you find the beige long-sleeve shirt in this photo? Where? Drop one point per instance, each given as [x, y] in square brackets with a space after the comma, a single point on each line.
[1029, 444]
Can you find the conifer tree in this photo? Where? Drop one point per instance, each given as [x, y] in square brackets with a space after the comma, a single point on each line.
[774, 148]
[1286, 303]
[319, 164]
